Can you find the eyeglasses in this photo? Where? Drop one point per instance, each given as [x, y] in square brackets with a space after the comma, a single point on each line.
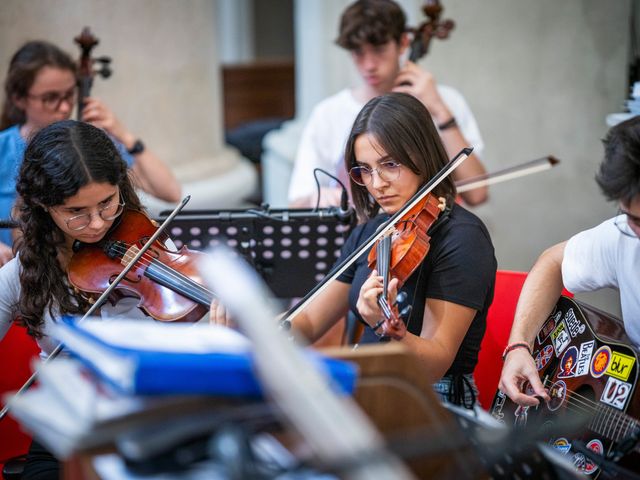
[52, 100]
[387, 171]
[107, 213]
[623, 220]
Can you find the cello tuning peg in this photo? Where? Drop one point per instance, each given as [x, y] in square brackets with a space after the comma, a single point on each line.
[103, 59]
[406, 311]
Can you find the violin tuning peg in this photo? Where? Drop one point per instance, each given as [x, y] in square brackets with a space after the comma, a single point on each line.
[406, 311]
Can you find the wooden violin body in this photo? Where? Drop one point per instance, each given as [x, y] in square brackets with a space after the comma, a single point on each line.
[586, 363]
[399, 254]
[166, 282]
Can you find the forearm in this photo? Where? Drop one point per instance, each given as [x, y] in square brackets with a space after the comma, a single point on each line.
[323, 312]
[539, 294]
[154, 177]
[310, 328]
[434, 358]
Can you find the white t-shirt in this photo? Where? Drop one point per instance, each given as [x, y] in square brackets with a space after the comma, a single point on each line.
[603, 257]
[326, 132]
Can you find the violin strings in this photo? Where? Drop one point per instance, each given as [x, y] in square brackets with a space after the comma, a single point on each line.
[196, 289]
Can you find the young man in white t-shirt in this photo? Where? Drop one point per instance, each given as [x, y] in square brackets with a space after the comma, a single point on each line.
[374, 33]
[607, 255]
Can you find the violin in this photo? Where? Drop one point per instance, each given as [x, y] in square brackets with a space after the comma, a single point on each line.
[433, 27]
[399, 252]
[86, 72]
[166, 281]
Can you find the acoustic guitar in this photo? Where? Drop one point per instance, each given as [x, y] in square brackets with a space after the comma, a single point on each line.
[586, 363]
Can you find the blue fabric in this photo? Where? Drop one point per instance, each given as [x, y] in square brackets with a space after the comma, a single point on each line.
[12, 148]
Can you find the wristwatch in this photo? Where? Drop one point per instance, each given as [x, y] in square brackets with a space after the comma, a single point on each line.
[138, 147]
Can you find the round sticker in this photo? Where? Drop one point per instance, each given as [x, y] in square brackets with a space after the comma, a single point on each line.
[600, 361]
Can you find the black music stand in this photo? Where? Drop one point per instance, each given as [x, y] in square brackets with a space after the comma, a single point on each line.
[291, 249]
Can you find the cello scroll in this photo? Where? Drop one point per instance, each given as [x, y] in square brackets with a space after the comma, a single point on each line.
[86, 71]
[434, 26]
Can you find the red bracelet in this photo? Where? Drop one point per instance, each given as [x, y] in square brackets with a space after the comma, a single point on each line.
[513, 346]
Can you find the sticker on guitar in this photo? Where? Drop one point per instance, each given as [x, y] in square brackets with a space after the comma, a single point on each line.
[557, 392]
[568, 363]
[560, 339]
[548, 327]
[585, 465]
[600, 362]
[615, 393]
[543, 357]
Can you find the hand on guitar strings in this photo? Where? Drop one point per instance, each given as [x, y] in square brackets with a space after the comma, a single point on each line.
[519, 367]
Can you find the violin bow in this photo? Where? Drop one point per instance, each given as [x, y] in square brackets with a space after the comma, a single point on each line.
[382, 230]
[517, 171]
[101, 299]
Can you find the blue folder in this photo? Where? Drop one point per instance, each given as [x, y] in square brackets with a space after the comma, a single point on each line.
[135, 367]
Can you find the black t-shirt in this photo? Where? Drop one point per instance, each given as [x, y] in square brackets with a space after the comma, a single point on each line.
[459, 268]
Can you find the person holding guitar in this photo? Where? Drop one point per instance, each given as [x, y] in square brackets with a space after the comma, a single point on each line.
[41, 88]
[607, 255]
[374, 32]
[392, 151]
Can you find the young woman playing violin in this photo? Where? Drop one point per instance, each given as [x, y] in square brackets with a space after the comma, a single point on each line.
[73, 185]
[392, 150]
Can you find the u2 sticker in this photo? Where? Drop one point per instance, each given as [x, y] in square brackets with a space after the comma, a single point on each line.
[616, 393]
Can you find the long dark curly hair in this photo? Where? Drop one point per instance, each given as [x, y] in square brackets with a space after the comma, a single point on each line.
[25, 65]
[59, 160]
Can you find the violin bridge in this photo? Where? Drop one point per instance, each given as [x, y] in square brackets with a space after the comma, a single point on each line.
[129, 255]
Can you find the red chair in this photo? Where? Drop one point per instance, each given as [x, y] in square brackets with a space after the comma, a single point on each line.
[16, 351]
[499, 321]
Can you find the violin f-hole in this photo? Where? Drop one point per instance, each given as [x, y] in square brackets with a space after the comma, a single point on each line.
[136, 279]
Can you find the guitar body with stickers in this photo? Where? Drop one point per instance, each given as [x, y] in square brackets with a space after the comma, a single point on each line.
[586, 364]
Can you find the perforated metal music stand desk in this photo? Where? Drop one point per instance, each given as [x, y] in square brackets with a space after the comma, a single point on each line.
[292, 249]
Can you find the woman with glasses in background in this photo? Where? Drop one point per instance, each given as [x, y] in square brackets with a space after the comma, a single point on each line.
[73, 185]
[393, 149]
[606, 256]
[40, 88]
